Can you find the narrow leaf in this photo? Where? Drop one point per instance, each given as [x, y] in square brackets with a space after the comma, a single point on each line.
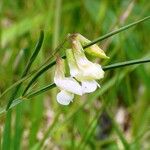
[28, 66]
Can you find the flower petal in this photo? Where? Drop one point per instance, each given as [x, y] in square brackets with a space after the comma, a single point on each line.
[64, 97]
[94, 70]
[79, 53]
[89, 72]
[69, 84]
[87, 69]
[65, 83]
[89, 86]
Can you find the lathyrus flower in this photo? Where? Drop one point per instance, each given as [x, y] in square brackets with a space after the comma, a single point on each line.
[81, 68]
[68, 85]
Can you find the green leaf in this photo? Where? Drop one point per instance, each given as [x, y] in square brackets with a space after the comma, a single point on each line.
[28, 66]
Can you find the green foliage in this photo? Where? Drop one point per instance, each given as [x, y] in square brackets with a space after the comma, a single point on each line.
[36, 120]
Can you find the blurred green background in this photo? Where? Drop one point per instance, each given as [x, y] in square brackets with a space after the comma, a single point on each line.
[114, 117]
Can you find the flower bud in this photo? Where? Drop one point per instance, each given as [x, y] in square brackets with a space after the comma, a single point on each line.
[93, 50]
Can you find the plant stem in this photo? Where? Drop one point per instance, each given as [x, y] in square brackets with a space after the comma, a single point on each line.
[126, 63]
[116, 31]
[42, 90]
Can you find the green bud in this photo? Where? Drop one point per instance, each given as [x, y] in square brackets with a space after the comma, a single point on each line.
[93, 50]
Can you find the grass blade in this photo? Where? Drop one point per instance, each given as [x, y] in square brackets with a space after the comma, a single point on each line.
[7, 132]
[28, 66]
[17, 83]
[18, 127]
[35, 53]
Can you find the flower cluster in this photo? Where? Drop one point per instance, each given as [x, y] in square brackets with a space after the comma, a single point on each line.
[83, 73]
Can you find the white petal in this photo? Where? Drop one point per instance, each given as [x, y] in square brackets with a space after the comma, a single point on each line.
[96, 71]
[89, 86]
[91, 72]
[79, 53]
[64, 97]
[87, 69]
[74, 72]
[69, 84]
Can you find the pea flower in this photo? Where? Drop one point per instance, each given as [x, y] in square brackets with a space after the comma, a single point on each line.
[81, 68]
[68, 85]
[84, 73]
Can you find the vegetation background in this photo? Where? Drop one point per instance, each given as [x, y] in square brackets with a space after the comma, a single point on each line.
[114, 117]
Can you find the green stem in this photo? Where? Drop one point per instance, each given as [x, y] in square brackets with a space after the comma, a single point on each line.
[37, 75]
[42, 90]
[116, 31]
[126, 63]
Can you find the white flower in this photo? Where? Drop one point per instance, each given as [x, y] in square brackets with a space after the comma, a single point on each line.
[68, 85]
[82, 69]
[84, 73]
